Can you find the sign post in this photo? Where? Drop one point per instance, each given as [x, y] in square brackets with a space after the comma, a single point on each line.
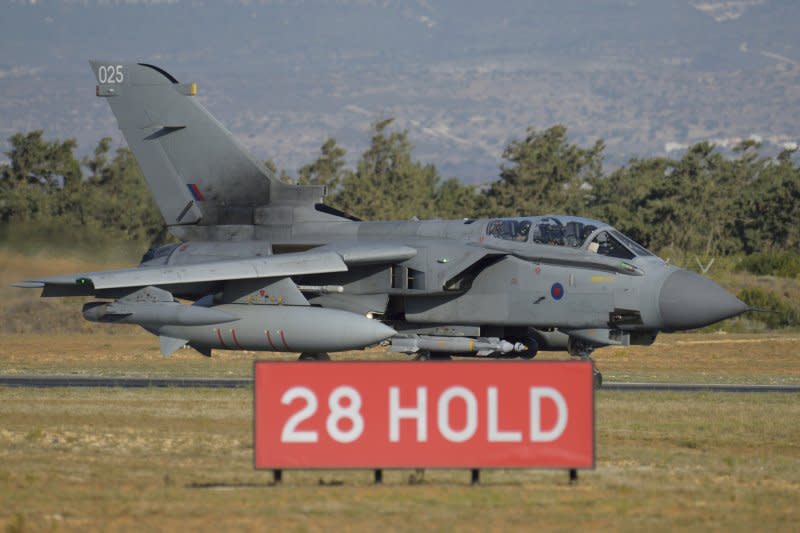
[465, 414]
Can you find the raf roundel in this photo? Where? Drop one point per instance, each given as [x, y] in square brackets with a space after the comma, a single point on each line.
[557, 291]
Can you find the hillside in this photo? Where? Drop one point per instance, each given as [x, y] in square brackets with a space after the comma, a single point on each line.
[463, 77]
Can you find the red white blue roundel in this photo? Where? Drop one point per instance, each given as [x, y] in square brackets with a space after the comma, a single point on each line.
[557, 291]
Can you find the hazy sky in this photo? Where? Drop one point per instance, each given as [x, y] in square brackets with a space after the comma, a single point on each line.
[464, 77]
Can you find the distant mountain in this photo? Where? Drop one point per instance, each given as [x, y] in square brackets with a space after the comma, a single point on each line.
[464, 77]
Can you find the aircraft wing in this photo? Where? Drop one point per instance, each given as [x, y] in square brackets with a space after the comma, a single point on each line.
[315, 261]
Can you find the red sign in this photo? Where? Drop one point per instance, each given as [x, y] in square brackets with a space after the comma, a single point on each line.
[451, 414]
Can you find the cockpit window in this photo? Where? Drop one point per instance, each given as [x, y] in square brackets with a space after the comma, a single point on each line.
[633, 245]
[605, 244]
[550, 230]
[569, 231]
[510, 230]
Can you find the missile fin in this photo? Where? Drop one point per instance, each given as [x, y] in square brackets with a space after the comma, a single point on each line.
[169, 345]
[281, 291]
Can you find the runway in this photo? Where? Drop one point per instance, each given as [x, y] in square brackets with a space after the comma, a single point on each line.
[31, 381]
[697, 387]
[122, 382]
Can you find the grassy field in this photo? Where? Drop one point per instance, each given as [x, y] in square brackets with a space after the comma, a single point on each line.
[175, 459]
[163, 460]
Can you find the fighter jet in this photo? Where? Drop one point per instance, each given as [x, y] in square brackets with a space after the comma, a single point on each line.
[265, 265]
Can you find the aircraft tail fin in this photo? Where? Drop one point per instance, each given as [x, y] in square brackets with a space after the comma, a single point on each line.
[197, 172]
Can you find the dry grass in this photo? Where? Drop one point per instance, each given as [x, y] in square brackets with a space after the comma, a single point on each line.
[123, 460]
[769, 358]
[22, 311]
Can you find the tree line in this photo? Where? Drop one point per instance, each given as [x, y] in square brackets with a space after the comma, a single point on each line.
[706, 202]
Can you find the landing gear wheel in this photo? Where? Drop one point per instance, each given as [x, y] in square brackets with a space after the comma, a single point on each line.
[598, 378]
[533, 348]
[318, 356]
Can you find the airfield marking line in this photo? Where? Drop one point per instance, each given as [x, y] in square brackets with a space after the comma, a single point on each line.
[232, 383]
[122, 382]
[742, 341]
[696, 387]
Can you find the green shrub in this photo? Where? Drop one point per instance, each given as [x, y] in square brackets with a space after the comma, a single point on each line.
[777, 312]
[783, 264]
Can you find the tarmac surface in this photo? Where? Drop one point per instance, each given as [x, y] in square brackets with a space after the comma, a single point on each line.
[236, 383]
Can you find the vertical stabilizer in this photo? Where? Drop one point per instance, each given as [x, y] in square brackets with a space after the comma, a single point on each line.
[198, 173]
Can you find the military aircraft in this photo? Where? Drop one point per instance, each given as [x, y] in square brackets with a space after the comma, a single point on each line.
[267, 266]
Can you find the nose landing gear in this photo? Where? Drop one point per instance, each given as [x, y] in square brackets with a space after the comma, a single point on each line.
[578, 348]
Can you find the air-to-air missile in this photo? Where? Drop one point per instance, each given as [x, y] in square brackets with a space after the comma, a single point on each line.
[482, 346]
[246, 327]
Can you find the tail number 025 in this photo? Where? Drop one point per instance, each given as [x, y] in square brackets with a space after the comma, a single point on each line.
[344, 403]
[110, 74]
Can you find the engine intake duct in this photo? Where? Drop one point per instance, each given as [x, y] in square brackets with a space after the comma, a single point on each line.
[624, 317]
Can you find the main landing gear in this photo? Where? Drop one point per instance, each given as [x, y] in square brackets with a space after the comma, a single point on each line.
[317, 356]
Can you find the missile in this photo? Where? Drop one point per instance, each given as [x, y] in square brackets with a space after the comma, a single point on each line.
[156, 313]
[479, 346]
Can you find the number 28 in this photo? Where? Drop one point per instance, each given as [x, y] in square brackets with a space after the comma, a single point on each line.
[344, 403]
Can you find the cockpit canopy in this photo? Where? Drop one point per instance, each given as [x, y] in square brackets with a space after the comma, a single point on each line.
[569, 231]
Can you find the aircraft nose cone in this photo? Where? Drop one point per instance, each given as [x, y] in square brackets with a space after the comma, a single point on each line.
[688, 300]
